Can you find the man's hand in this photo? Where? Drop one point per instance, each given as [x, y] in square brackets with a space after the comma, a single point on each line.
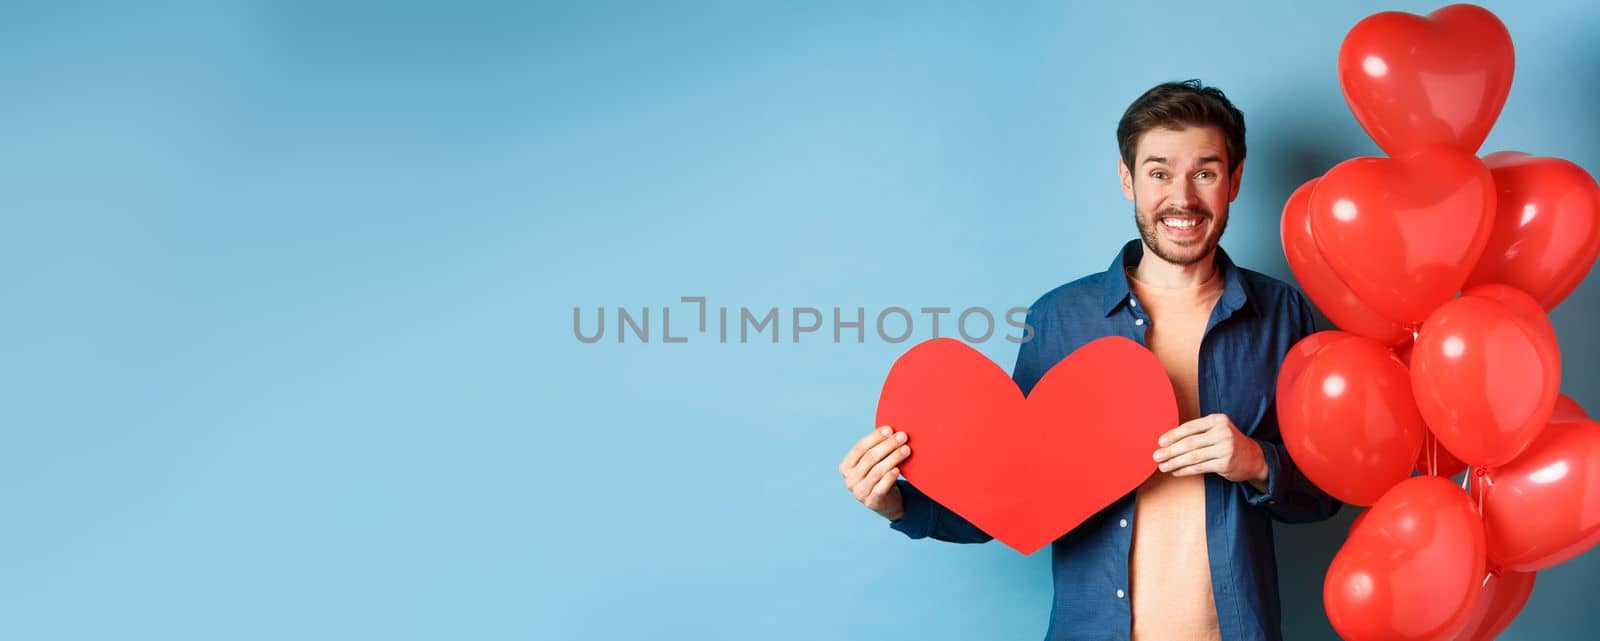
[1212, 444]
[871, 468]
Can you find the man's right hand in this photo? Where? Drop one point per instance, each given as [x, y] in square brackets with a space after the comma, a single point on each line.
[871, 468]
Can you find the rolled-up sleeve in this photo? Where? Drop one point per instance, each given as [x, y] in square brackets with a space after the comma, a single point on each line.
[926, 518]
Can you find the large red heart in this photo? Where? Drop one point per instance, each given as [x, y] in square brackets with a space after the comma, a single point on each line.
[1027, 470]
[1547, 227]
[1404, 232]
[1414, 81]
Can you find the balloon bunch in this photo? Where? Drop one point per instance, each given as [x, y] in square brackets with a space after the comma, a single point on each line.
[1421, 378]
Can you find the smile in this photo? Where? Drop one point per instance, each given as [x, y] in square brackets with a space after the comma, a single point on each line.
[1182, 222]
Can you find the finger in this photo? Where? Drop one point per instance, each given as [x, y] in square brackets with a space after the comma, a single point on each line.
[1188, 444]
[880, 491]
[893, 459]
[1190, 458]
[876, 454]
[870, 477]
[872, 438]
[862, 487]
[1203, 467]
[861, 447]
[1185, 430]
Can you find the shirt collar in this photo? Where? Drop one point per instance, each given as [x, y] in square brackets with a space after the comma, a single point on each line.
[1115, 280]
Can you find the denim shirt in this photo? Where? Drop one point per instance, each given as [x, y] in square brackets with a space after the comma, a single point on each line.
[1252, 327]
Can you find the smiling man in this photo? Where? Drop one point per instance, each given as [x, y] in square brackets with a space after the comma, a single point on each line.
[1189, 555]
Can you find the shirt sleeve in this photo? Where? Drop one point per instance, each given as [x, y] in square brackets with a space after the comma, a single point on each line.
[1290, 496]
[926, 518]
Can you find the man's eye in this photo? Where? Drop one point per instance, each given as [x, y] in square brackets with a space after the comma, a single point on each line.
[1205, 175]
[1158, 175]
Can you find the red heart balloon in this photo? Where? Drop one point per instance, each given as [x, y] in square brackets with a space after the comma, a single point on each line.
[1348, 418]
[1330, 294]
[1567, 410]
[1544, 507]
[1404, 232]
[1356, 522]
[1504, 594]
[1485, 378]
[1547, 232]
[1412, 570]
[1027, 470]
[1414, 81]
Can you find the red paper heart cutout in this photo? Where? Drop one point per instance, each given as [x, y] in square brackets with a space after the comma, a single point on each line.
[1404, 232]
[1414, 81]
[1027, 470]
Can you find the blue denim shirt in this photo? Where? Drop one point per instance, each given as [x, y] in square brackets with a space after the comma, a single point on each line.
[1252, 327]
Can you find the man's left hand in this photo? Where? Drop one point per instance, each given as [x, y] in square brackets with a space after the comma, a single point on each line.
[1212, 444]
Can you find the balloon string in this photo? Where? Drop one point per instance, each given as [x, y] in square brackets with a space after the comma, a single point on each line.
[1482, 488]
[1431, 446]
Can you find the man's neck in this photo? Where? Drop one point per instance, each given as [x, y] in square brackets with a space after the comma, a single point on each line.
[1156, 271]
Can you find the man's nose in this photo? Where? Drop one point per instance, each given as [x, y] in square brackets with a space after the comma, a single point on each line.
[1187, 196]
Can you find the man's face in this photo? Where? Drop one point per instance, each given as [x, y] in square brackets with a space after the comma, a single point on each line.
[1180, 187]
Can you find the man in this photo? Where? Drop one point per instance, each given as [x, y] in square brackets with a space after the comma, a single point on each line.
[1188, 555]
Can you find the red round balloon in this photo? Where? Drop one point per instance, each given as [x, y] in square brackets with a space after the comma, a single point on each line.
[1526, 306]
[1485, 379]
[1544, 507]
[1404, 232]
[1348, 418]
[1295, 361]
[1547, 227]
[1434, 459]
[1504, 594]
[1413, 81]
[1331, 295]
[1520, 303]
[1413, 570]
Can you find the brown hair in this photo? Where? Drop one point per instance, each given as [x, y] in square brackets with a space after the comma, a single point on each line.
[1179, 105]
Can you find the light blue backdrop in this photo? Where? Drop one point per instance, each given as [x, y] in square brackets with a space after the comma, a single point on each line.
[288, 347]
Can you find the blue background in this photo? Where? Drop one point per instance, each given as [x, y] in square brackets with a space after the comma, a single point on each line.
[289, 286]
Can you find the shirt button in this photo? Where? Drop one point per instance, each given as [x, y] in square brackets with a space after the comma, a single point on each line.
[1121, 594]
[1123, 523]
[1138, 321]
[1133, 302]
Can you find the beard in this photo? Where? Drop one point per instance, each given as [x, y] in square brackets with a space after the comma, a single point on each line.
[1188, 253]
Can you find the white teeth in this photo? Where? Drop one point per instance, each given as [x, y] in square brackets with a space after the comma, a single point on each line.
[1180, 224]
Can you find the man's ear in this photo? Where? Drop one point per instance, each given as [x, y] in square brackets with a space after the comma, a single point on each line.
[1127, 179]
[1238, 173]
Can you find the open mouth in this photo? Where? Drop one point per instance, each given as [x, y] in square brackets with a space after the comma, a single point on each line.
[1182, 226]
